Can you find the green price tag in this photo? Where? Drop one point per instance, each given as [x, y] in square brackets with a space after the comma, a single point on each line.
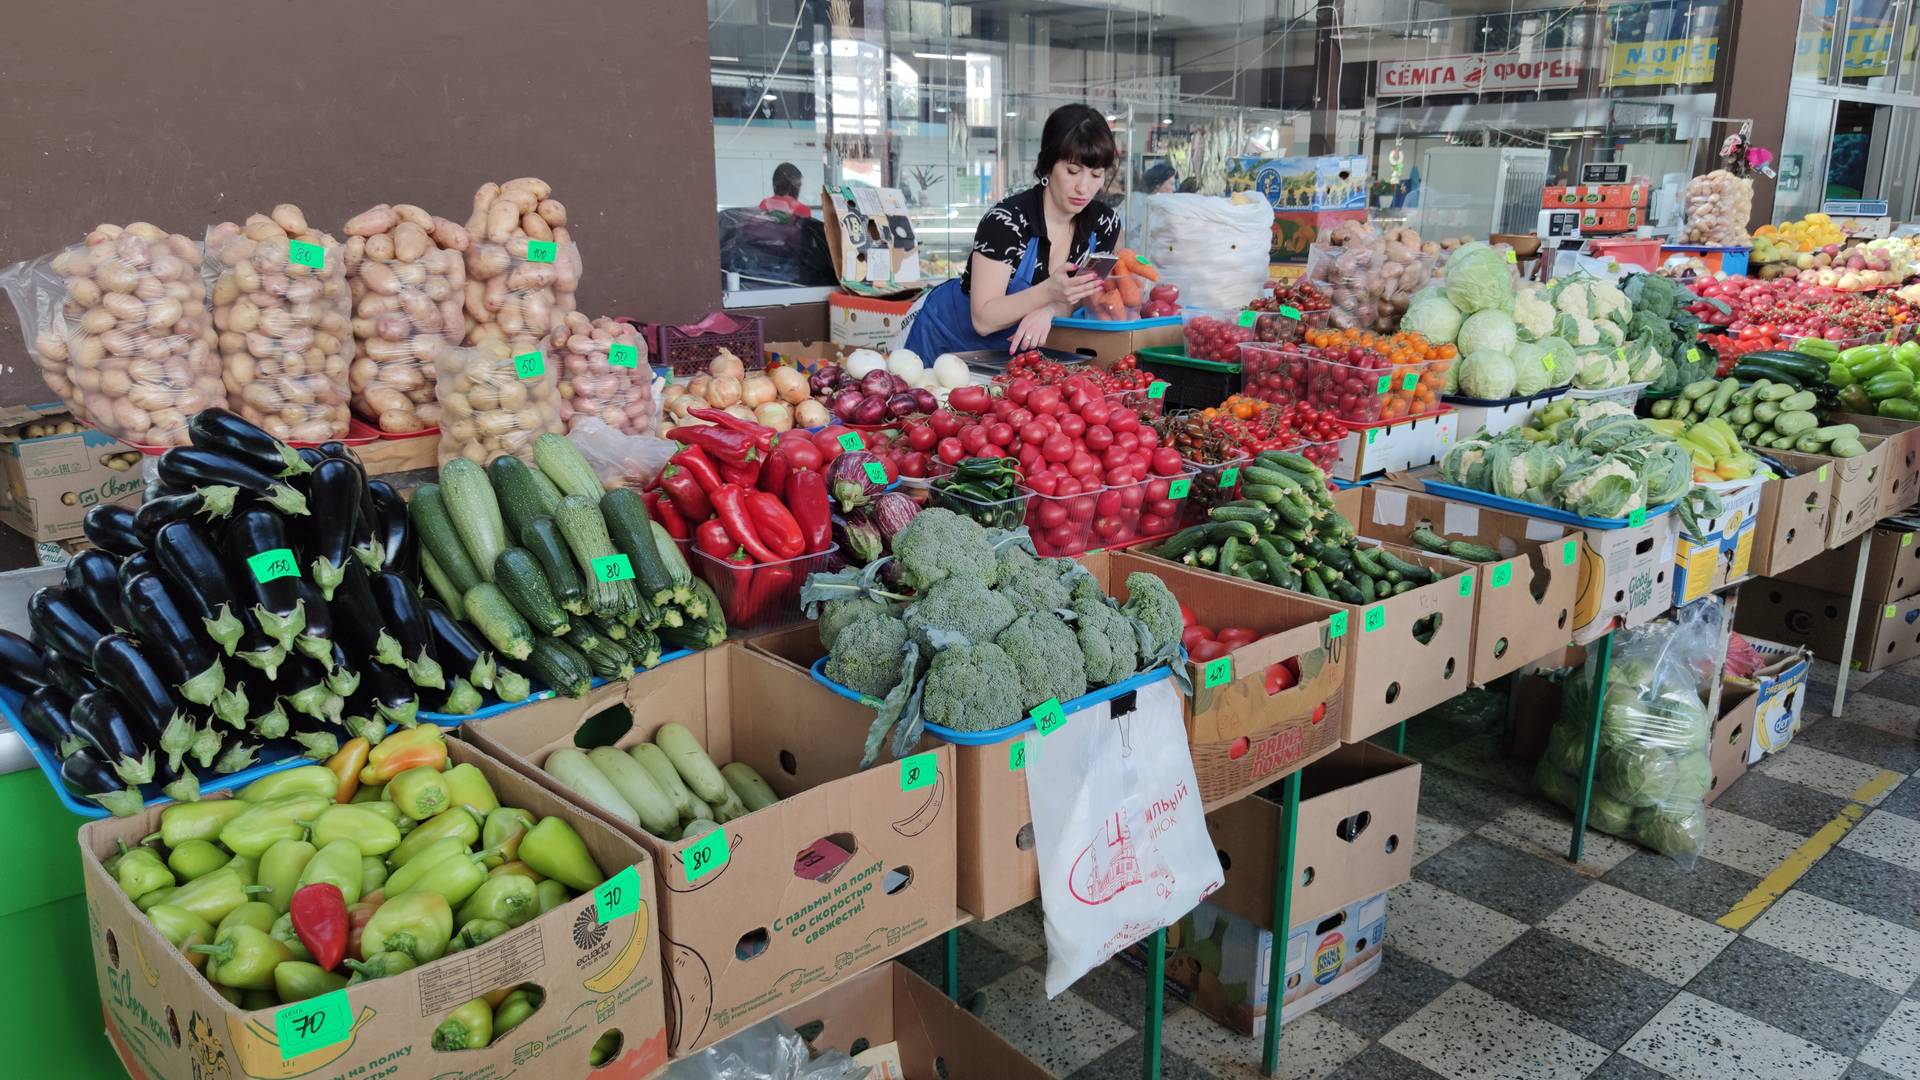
[707, 854]
[1569, 552]
[1229, 476]
[876, 473]
[618, 895]
[1511, 257]
[1017, 755]
[1290, 312]
[312, 256]
[1178, 488]
[1637, 518]
[1143, 260]
[1372, 435]
[1048, 716]
[1336, 625]
[1466, 585]
[852, 441]
[1906, 539]
[623, 356]
[1547, 361]
[1156, 391]
[918, 771]
[1381, 386]
[530, 365]
[272, 565]
[612, 568]
[1823, 474]
[1218, 672]
[1889, 612]
[1693, 356]
[1502, 574]
[539, 251]
[312, 1024]
[1409, 380]
[1247, 317]
[1375, 618]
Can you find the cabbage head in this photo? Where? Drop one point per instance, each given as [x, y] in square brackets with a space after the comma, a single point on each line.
[1566, 747]
[1558, 357]
[1677, 830]
[1529, 373]
[1533, 315]
[1433, 318]
[1466, 463]
[1668, 472]
[1486, 373]
[1638, 775]
[1556, 785]
[1609, 814]
[1430, 292]
[1479, 279]
[1693, 778]
[1603, 488]
[1544, 465]
[1450, 382]
[1488, 331]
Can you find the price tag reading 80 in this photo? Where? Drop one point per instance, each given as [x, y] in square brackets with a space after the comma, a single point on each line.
[1229, 477]
[1177, 489]
[618, 895]
[852, 441]
[876, 472]
[613, 568]
[706, 855]
[301, 253]
[273, 565]
[1247, 317]
[919, 771]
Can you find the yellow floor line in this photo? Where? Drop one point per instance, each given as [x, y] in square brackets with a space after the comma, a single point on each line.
[1775, 884]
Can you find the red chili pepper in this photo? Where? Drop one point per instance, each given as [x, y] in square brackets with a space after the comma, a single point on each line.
[807, 499]
[686, 494]
[319, 915]
[775, 524]
[730, 506]
[724, 445]
[699, 466]
[713, 538]
[765, 596]
[667, 514]
[773, 473]
[762, 435]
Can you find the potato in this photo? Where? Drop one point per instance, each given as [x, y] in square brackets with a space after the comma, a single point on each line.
[622, 396]
[399, 322]
[493, 404]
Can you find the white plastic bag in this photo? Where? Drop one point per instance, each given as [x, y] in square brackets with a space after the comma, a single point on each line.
[1118, 829]
[1214, 248]
[618, 459]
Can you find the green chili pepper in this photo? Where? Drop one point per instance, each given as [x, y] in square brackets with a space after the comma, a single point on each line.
[338, 864]
[298, 980]
[453, 822]
[369, 793]
[513, 1011]
[280, 870]
[183, 929]
[269, 822]
[182, 822]
[372, 833]
[419, 924]
[603, 1049]
[379, 966]
[556, 851]
[453, 876]
[469, 1027]
[244, 958]
[468, 787]
[196, 858]
[551, 894]
[153, 899]
[504, 830]
[373, 874]
[419, 792]
[255, 913]
[214, 896]
[140, 871]
[305, 780]
[477, 932]
[509, 898]
[284, 933]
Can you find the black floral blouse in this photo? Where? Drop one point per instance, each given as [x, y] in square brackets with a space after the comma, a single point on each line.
[1003, 233]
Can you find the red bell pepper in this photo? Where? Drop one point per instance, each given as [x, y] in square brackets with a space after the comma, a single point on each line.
[746, 474]
[663, 510]
[763, 437]
[765, 596]
[319, 915]
[686, 494]
[730, 506]
[807, 499]
[775, 524]
[724, 445]
[696, 462]
[773, 473]
[713, 538]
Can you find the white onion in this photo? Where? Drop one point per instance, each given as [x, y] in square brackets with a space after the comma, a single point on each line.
[950, 371]
[861, 361]
[907, 364]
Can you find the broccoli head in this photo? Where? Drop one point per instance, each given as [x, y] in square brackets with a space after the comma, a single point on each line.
[865, 656]
[1047, 653]
[959, 605]
[1032, 584]
[837, 615]
[939, 543]
[1153, 604]
[1107, 641]
[972, 688]
[1083, 586]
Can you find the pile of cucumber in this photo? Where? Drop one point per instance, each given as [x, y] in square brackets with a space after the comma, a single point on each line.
[669, 786]
[1764, 413]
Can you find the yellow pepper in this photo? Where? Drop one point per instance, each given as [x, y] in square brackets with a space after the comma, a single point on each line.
[403, 750]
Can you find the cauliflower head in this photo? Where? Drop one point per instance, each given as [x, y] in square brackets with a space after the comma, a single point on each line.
[1532, 315]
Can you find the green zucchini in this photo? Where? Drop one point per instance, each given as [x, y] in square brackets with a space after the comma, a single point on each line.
[562, 463]
[443, 586]
[489, 610]
[631, 530]
[586, 533]
[604, 656]
[517, 573]
[560, 666]
[521, 499]
[542, 538]
[427, 509]
[676, 563]
[475, 513]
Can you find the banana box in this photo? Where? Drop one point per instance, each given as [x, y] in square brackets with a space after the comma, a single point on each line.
[1720, 551]
[601, 980]
[848, 869]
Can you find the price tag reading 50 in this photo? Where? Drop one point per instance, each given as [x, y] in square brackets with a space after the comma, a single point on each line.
[529, 365]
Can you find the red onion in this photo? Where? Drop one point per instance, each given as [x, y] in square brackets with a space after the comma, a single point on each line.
[876, 383]
[923, 399]
[902, 405]
[870, 410]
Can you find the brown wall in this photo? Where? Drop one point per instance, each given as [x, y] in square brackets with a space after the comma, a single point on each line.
[1751, 85]
[196, 111]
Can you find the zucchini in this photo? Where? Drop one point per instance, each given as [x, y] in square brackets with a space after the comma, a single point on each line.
[433, 524]
[561, 462]
[521, 499]
[443, 587]
[632, 532]
[560, 666]
[489, 610]
[749, 785]
[542, 538]
[518, 576]
[607, 658]
[690, 760]
[575, 772]
[689, 806]
[676, 563]
[586, 535]
[475, 514]
[657, 813]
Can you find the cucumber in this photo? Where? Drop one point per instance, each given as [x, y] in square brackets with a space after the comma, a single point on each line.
[577, 773]
[749, 785]
[656, 811]
[586, 534]
[521, 499]
[690, 760]
[489, 610]
[1433, 541]
[517, 575]
[475, 514]
[432, 523]
[631, 530]
[542, 538]
[653, 759]
[560, 666]
[1410, 571]
[561, 462]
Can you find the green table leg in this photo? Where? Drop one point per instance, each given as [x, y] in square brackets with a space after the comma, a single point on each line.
[953, 964]
[1400, 737]
[1282, 924]
[1156, 1004]
[1598, 685]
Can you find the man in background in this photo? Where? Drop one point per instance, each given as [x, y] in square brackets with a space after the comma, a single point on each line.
[786, 193]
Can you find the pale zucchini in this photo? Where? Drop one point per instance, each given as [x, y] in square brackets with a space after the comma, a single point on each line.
[654, 760]
[698, 827]
[577, 774]
[690, 760]
[749, 785]
[729, 808]
[657, 813]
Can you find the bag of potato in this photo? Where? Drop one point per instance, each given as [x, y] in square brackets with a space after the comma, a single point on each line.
[118, 326]
[494, 401]
[407, 273]
[281, 309]
[604, 375]
[520, 245]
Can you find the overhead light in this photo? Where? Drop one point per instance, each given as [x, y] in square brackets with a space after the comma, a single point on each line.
[1166, 119]
[1013, 114]
[937, 56]
[940, 109]
[1111, 117]
[769, 97]
[725, 59]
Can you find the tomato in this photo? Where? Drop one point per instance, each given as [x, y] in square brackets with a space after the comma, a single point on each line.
[1043, 481]
[914, 465]
[1094, 413]
[802, 453]
[1050, 513]
[1204, 651]
[945, 422]
[1187, 617]
[1280, 677]
[1072, 426]
[1044, 399]
[1236, 636]
[952, 451]
[1166, 461]
[1018, 388]
[1000, 434]
[1098, 438]
[974, 438]
[1057, 448]
[970, 399]
[922, 437]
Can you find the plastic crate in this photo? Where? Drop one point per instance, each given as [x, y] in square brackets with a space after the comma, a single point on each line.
[1061, 525]
[1018, 727]
[750, 602]
[1357, 394]
[1271, 372]
[1200, 325]
[1191, 383]
[1279, 328]
[1007, 513]
[1145, 508]
[1719, 260]
[688, 349]
[1213, 485]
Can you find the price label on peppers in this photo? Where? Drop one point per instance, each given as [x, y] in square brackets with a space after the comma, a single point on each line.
[1906, 539]
[623, 356]
[1156, 390]
[1017, 755]
[705, 855]
[918, 771]
[1501, 575]
[876, 473]
[1381, 386]
[1823, 474]
[1409, 380]
[540, 251]
[314, 1023]
[1178, 489]
[1247, 317]
[852, 441]
[273, 565]
[1373, 436]
[1375, 618]
[1466, 585]
[1290, 312]
[529, 365]
[1218, 672]
[1336, 625]
[312, 256]
[1637, 518]
[618, 895]
[1229, 476]
[1048, 716]
[1888, 614]
[1569, 551]
[613, 568]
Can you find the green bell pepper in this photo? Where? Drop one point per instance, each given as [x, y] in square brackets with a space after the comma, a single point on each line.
[244, 958]
[551, 894]
[379, 966]
[214, 896]
[1866, 361]
[255, 913]
[196, 858]
[284, 933]
[298, 980]
[477, 932]
[1839, 375]
[305, 780]
[469, 788]
[505, 828]
[554, 850]
[140, 871]
[513, 1011]
[419, 924]
[373, 874]
[453, 876]
[182, 822]
[338, 864]
[1898, 408]
[509, 898]
[388, 811]
[468, 1027]
[420, 792]
[272, 821]
[247, 866]
[280, 870]
[402, 879]
[369, 793]
[368, 830]
[604, 1048]
[1890, 384]
[183, 929]
[1854, 399]
[154, 898]
[1907, 355]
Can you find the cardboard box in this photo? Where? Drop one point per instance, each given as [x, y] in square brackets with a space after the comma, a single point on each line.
[1792, 523]
[1778, 692]
[49, 482]
[1782, 611]
[1902, 475]
[935, 1037]
[845, 871]
[1523, 601]
[1732, 737]
[1893, 568]
[1594, 220]
[1722, 552]
[1407, 444]
[1106, 347]
[1853, 500]
[1610, 196]
[168, 1023]
[865, 322]
[873, 247]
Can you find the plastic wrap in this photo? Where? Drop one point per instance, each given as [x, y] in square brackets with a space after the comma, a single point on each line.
[495, 401]
[512, 288]
[598, 380]
[407, 273]
[769, 1050]
[1371, 275]
[619, 459]
[281, 310]
[1214, 249]
[1652, 776]
[119, 328]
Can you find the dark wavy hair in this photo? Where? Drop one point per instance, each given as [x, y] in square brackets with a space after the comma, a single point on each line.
[1077, 135]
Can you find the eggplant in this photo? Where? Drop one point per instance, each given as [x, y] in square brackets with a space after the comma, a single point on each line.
[64, 624]
[211, 502]
[193, 469]
[93, 578]
[225, 433]
[392, 529]
[407, 621]
[75, 679]
[109, 527]
[23, 667]
[360, 624]
[318, 739]
[127, 671]
[134, 565]
[241, 751]
[455, 649]
[276, 605]
[303, 684]
[266, 718]
[310, 457]
[316, 638]
[334, 492]
[343, 677]
[48, 713]
[334, 448]
[170, 639]
[392, 693]
[119, 734]
[86, 772]
[194, 569]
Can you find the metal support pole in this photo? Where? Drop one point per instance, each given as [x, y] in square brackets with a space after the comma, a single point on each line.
[1853, 623]
[1400, 737]
[1156, 1004]
[1282, 924]
[1597, 686]
[953, 964]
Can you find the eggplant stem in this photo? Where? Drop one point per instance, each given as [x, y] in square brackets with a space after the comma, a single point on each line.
[201, 689]
[185, 789]
[237, 757]
[225, 629]
[294, 464]
[510, 685]
[318, 745]
[216, 501]
[387, 650]
[406, 715]
[267, 661]
[463, 699]
[314, 648]
[121, 803]
[343, 680]
[134, 772]
[282, 628]
[326, 576]
[371, 557]
[425, 671]
[271, 724]
[286, 500]
[231, 704]
[206, 746]
[482, 674]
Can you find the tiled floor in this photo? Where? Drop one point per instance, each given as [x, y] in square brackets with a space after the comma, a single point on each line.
[1504, 961]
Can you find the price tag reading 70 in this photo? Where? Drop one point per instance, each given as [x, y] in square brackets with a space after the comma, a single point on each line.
[618, 895]
[314, 1023]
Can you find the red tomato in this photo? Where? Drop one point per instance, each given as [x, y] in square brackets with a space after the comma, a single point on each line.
[914, 465]
[952, 451]
[922, 437]
[1166, 461]
[1094, 412]
[1072, 426]
[1044, 482]
[1000, 434]
[1057, 447]
[1044, 399]
[1033, 432]
[1203, 651]
[803, 453]
[1018, 388]
[1050, 513]
[1280, 677]
[1236, 636]
[969, 399]
[945, 423]
[1187, 617]
[1098, 437]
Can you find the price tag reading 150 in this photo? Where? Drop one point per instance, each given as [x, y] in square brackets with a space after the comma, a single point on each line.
[273, 565]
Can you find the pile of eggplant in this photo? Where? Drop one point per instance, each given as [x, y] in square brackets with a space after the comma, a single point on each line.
[264, 603]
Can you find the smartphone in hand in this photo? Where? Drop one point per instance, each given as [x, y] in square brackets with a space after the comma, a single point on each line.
[1099, 264]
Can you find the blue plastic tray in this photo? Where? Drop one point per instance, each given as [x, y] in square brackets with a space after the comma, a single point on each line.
[1001, 734]
[1079, 322]
[451, 720]
[1461, 399]
[1501, 502]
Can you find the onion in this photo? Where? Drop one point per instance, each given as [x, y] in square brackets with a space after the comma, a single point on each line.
[774, 414]
[723, 391]
[756, 391]
[905, 363]
[811, 413]
[871, 410]
[846, 401]
[923, 400]
[877, 383]
[826, 380]
[950, 370]
[902, 405]
[861, 361]
[727, 364]
[790, 385]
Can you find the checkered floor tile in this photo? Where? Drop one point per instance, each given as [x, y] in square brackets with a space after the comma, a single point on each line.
[1502, 960]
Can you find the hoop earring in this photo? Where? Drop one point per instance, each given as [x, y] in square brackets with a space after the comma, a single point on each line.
[1043, 181]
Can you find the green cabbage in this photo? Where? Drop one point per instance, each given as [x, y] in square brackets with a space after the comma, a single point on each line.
[1488, 331]
[1486, 373]
[1479, 279]
[1530, 375]
[1507, 471]
[1566, 747]
[1639, 775]
[1609, 814]
[1692, 779]
[1675, 829]
[1432, 318]
[1668, 473]
[1558, 356]
[1556, 785]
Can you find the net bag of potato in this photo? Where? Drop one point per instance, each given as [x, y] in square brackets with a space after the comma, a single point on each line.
[407, 273]
[118, 326]
[604, 375]
[281, 309]
[520, 245]
[495, 401]
[1371, 275]
[1717, 206]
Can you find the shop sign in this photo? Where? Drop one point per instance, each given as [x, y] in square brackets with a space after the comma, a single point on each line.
[1480, 73]
[1654, 63]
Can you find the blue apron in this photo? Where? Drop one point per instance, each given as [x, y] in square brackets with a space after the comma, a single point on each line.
[944, 321]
